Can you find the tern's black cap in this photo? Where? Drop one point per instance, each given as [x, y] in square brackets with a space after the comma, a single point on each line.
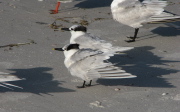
[75, 28]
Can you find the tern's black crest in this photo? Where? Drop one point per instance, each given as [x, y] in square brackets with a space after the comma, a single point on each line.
[80, 28]
[73, 46]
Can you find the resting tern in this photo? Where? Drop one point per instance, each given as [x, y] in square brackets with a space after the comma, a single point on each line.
[134, 13]
[80, 36]
[88, 64]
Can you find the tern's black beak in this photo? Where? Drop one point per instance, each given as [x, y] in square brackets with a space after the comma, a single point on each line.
[65, 29]
[58, 49]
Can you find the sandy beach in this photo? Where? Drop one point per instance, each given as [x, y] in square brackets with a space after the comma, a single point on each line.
[29, 32]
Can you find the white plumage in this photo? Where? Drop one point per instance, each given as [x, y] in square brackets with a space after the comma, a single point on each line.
[135, 13]
[80, 36]
[6, 77]
[88, 64]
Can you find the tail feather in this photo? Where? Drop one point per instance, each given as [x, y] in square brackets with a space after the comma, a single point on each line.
[111, 72]
[164, 21]
[105, 65]
[164, 17]
[109, 69]
[6, 77]
[12, 85]
[5, 86]
[122, 49]
[164, 14]
[118, 76]
[155, 3]
[155, 6]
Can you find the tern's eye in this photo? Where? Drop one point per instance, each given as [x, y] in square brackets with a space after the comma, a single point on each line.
[71, 29]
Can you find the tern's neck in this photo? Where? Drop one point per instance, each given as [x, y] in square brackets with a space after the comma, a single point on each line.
[75, 35]
[68, 61]
[69, 53]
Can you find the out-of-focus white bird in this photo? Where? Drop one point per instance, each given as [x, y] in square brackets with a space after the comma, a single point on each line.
[134, 13]
[88, 64]
[6, 77]
[80, 36]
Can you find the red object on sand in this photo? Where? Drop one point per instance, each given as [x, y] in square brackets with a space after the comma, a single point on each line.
[56, 9]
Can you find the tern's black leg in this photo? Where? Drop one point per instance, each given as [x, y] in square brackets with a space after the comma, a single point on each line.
[135, 35]
[89, 83]
[83, 86]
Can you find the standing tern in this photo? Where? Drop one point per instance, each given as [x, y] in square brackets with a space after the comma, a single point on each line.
[80, 36]
[88, 64]
[134, 13]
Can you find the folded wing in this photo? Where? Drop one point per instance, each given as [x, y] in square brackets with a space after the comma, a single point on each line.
[93, 42]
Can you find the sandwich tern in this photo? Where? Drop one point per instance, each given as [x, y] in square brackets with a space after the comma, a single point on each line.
[88, 64]
[134, 13]
[80, 36]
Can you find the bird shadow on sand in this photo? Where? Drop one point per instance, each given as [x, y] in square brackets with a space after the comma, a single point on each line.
[37, 81]
[168, 31]
[93, 3]
[145, 65]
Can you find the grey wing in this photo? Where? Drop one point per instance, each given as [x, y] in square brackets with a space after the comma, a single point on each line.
[164, 17]
[146, 3]
[159, 16]
[93, 42]
[94, 66]
[84, 53]
[142, 12]
[112, 72]
[85, 63]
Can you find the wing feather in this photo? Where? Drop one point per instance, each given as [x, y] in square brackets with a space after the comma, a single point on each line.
[96, 43]
[6, 77]
[92, 65]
